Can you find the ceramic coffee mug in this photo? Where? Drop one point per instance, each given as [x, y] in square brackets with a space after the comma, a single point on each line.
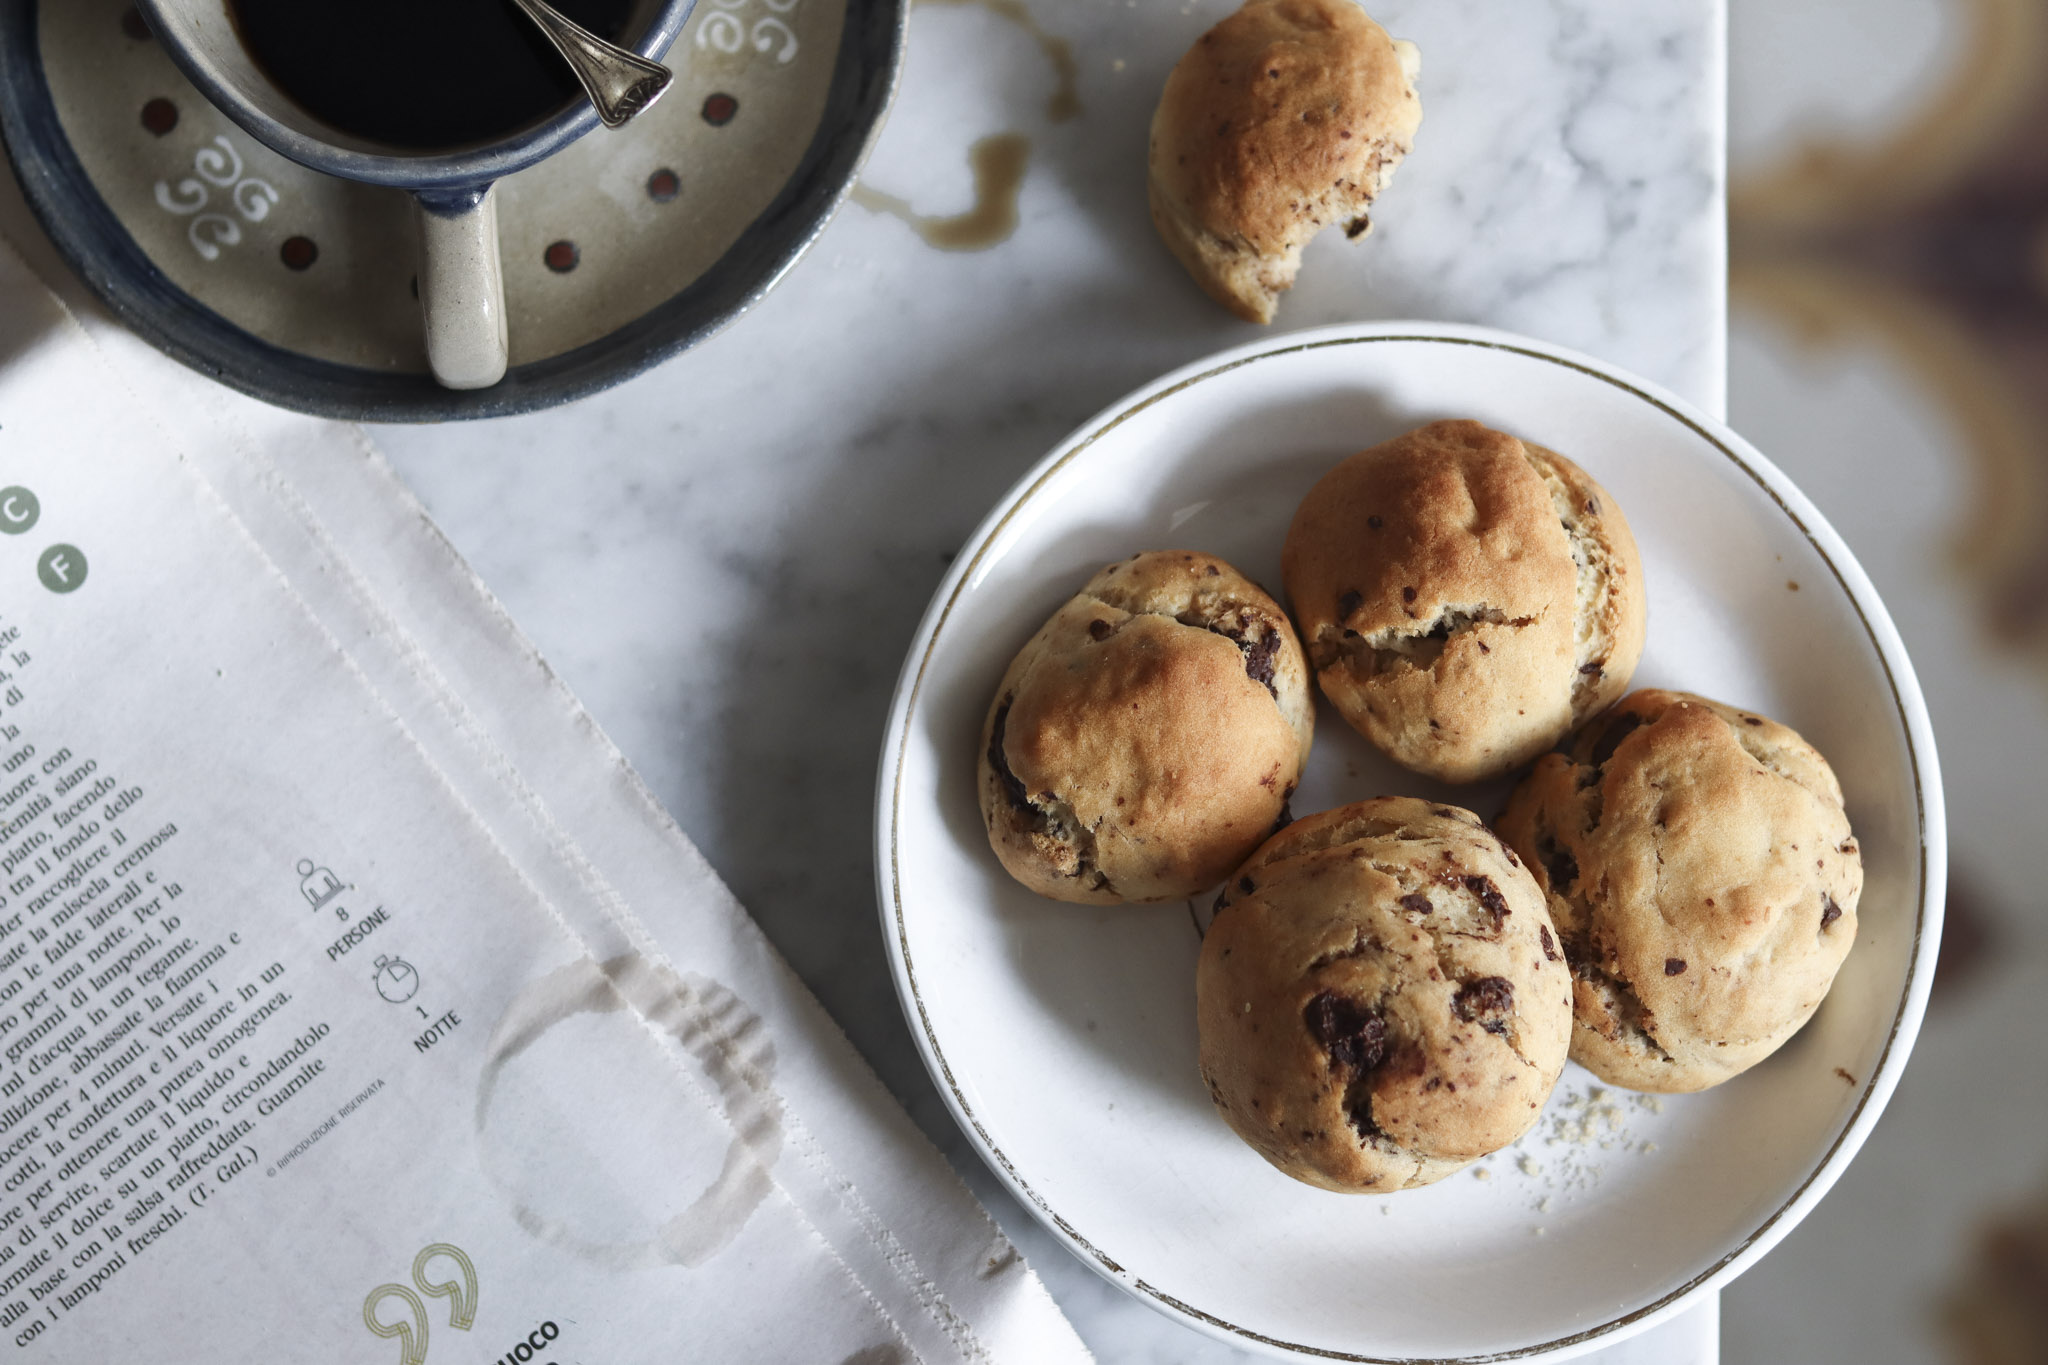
[462, 290]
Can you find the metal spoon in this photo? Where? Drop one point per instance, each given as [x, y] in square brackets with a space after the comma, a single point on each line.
[619, 83]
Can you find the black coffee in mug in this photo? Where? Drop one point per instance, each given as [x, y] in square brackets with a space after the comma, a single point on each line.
[419, 74]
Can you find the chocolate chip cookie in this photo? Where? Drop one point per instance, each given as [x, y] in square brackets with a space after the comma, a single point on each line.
[1148, 737]
[1704, 879]
[1465, 597]
[1286, 118]
[1381, 997]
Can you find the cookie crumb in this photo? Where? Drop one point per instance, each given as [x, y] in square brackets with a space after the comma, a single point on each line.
[1481, 1173]
[1791, 586]
[1528, 1165]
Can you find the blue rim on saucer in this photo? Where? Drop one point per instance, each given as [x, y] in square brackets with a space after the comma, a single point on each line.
[96, 245]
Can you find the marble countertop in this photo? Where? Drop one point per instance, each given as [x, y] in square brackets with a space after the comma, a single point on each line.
[726, 557]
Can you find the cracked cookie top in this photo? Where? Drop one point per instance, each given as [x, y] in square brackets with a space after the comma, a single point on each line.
[1380, 997]
[1148, 736]
[1465, 597]
[1703, 877]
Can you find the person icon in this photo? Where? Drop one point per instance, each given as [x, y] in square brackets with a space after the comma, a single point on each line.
[317, 884]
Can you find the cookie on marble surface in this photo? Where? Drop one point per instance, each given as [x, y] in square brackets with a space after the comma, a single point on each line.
[1466, 598]
[1703, 878]
[1380, 998]
[1147, 738]
[1287, 117]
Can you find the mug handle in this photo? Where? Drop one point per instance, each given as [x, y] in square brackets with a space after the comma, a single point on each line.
[462, 286]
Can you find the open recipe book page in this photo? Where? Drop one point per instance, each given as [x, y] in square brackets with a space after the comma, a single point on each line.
[356, 1001]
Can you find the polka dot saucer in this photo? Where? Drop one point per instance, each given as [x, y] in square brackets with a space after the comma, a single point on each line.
[300, 289]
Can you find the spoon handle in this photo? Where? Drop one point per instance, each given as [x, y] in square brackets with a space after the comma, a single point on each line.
[619, 83]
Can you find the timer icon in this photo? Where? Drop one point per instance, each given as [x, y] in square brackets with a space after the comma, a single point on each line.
[396, 980]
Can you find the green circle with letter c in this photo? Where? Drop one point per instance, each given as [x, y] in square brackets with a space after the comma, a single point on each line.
[19, 510]
[62, 568]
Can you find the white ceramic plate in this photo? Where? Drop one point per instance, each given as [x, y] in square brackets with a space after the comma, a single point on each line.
[1063, 1037]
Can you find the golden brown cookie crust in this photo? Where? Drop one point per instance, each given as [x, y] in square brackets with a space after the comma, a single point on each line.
[1465, 598]
[1704, 879]
[1380, 997]
[1285, 118]
[1148, 736]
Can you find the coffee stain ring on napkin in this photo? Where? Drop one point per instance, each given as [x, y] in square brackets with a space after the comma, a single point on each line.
[727, 1041]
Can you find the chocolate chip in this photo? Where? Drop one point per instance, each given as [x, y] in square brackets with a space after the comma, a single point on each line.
[1549, 946]
[1211, 572]
[1618, 729]
[1674, 966]
[1486, 1002]
[1284, 819]
[1352, 1034]
[1407, 594]
[1445, 811]
[1258, 659]
[1489, 898]
[1246, 885]
[1349, 602]
[1374, 522]
[1100, 630]
[1415, 903]
[1562, 867]
[1012, 788]
[1751, 720]
[1593, 506]
[1592, 670]
[1829, 911]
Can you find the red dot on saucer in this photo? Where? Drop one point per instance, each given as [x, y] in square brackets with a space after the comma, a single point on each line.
[159, 116]
[664, 185]
[562, 256]
[298, 253]
[719, 109]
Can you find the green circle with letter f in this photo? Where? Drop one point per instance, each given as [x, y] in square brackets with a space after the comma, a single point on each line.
[62, 568]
